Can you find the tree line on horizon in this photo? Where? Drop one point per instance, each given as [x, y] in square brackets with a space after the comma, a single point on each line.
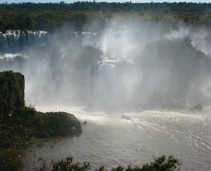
[161, 8]
[47, 16]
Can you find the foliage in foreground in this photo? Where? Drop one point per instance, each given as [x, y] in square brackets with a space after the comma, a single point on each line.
[159, 164]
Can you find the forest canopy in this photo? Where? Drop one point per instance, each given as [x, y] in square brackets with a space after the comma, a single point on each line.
[47, 16]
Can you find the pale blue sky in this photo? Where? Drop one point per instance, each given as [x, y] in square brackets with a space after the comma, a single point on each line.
[70, 1]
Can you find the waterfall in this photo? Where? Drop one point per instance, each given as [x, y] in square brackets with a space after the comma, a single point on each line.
[108, 70]
[17, 41]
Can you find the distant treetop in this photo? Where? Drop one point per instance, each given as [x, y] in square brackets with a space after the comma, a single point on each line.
[176, 8]
[47, 16]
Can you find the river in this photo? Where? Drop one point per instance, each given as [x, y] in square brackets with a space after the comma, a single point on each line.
[112, 139]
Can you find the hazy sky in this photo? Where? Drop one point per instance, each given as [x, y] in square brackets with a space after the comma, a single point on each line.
[70, 1]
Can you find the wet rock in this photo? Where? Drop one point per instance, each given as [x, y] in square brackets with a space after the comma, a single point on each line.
[126, 117]
[197, 107]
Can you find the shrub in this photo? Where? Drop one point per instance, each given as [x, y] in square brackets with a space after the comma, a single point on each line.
[159, 164]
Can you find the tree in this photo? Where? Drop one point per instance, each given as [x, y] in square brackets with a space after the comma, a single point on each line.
[159, 164]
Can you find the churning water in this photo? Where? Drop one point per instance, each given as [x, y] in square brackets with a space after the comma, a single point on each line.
[111, 139]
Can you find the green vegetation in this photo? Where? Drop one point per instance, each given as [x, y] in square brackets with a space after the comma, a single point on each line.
[56, 124]
[162, 8]
[19, 123]
[15, 131]
[11, 92]
[48, 16]
[160, 164]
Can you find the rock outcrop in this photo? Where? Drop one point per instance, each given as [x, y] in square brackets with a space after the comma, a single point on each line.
[58, 124]
[12, 106]
[197, 108]
[11, 91]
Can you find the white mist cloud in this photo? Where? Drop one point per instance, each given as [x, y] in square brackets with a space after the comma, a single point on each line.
[145, 65]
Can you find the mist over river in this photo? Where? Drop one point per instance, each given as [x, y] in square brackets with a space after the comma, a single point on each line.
[109, 139]
[134, 84]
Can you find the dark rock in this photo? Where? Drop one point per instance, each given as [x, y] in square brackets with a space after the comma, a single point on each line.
[126, 117]
[197, 107]
[61, 124]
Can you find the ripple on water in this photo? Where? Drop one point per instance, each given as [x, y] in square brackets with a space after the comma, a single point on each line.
[111, 140]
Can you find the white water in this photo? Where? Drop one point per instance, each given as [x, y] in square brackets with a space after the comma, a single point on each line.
[109, 139]
[15, 41]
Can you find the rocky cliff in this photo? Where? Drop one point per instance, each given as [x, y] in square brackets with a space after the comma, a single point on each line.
[11, 91]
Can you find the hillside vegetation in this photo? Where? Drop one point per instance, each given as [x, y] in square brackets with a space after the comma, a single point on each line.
[48, 16]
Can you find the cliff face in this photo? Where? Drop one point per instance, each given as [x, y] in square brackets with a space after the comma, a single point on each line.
[11, 91]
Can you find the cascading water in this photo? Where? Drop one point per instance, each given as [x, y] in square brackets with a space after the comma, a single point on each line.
[16, 41]
[134, 88]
